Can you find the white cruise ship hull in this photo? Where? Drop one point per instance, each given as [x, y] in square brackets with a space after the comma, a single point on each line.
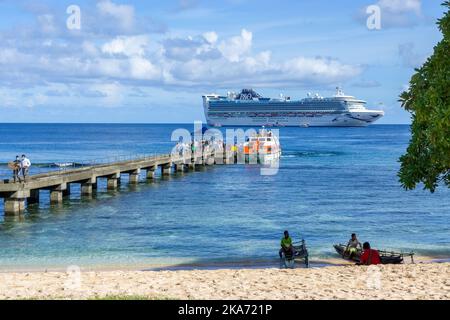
[250, 109]
[359, 119]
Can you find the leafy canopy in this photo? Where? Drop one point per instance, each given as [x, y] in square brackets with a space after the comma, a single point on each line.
[427, 159]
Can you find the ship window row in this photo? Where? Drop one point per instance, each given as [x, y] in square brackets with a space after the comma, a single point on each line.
[282, 107]
[274, 109]
[274, 104]
[277, 114]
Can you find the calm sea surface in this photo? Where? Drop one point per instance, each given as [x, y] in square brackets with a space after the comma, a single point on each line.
[331, 182]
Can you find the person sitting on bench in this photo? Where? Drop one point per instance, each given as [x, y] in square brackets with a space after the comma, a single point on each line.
[286, 246]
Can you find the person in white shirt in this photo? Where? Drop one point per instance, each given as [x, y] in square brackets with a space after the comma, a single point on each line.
[352, 246]
[25, 164]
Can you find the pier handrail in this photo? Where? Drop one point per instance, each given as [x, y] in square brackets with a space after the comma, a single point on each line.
[17, 195]
[76, 166]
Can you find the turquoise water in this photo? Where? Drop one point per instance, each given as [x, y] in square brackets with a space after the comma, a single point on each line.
[331, 182]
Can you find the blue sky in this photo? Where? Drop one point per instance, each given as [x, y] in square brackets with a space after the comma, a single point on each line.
[150, 61]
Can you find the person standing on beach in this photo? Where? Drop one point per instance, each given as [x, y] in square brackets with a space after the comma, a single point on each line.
[369, 256]
[352, 246]
[25, 164]
[286, 245]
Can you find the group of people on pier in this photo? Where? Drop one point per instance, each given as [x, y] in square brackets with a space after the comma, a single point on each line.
[20, 167]
[182, 148]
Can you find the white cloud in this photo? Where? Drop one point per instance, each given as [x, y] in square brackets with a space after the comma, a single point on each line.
[318, 68]
[396, 13]
[261, 60]
[143, 69]
[112, 94]
[112, 68]
[185, 49]
[235, 65]
[401, 6]
[127, 45]
[11, 55]
[234, 48]
[124, 14]
[89, 48]
[211, 37]
[106, 70]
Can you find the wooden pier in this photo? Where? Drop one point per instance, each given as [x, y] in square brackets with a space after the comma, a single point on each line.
[17, 195]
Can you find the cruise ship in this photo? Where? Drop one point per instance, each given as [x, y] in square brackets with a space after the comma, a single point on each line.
[248, 108]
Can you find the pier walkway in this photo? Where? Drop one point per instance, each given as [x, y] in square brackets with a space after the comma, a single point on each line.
[17, 195]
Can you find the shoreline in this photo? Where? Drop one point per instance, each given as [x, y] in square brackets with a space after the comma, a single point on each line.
[211, 265]
[422, 281]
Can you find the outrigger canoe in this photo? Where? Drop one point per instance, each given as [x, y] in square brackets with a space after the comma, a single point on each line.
[386, 257]
[300, 253]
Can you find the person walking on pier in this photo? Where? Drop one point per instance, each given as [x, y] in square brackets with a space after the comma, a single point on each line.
[25, 164]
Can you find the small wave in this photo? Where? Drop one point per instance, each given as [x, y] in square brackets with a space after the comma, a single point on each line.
[311, 154]
[52, 164]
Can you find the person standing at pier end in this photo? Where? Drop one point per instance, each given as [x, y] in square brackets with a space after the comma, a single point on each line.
[25, 164]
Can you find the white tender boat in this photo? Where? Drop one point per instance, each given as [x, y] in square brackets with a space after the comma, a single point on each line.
[264, 145]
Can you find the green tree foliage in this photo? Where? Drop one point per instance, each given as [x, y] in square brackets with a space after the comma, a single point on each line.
[427, 159]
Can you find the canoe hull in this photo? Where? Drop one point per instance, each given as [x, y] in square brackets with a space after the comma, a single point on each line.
[385, 257]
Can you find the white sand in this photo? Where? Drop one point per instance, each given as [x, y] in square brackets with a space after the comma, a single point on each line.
[411, 281]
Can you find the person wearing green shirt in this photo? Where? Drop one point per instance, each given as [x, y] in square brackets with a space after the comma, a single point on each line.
[286, 245]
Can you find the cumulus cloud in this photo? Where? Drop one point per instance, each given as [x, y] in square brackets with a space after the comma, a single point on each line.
[95, 64]
[143, 69]
[200, 61]
[401, 6]
[318, 68]
[396, 13]
[127, 46]
[211, 37]
[234, 48]
[123, 14]
[185, 49]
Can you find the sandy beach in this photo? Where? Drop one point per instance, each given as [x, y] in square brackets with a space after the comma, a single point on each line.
[409, 281]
